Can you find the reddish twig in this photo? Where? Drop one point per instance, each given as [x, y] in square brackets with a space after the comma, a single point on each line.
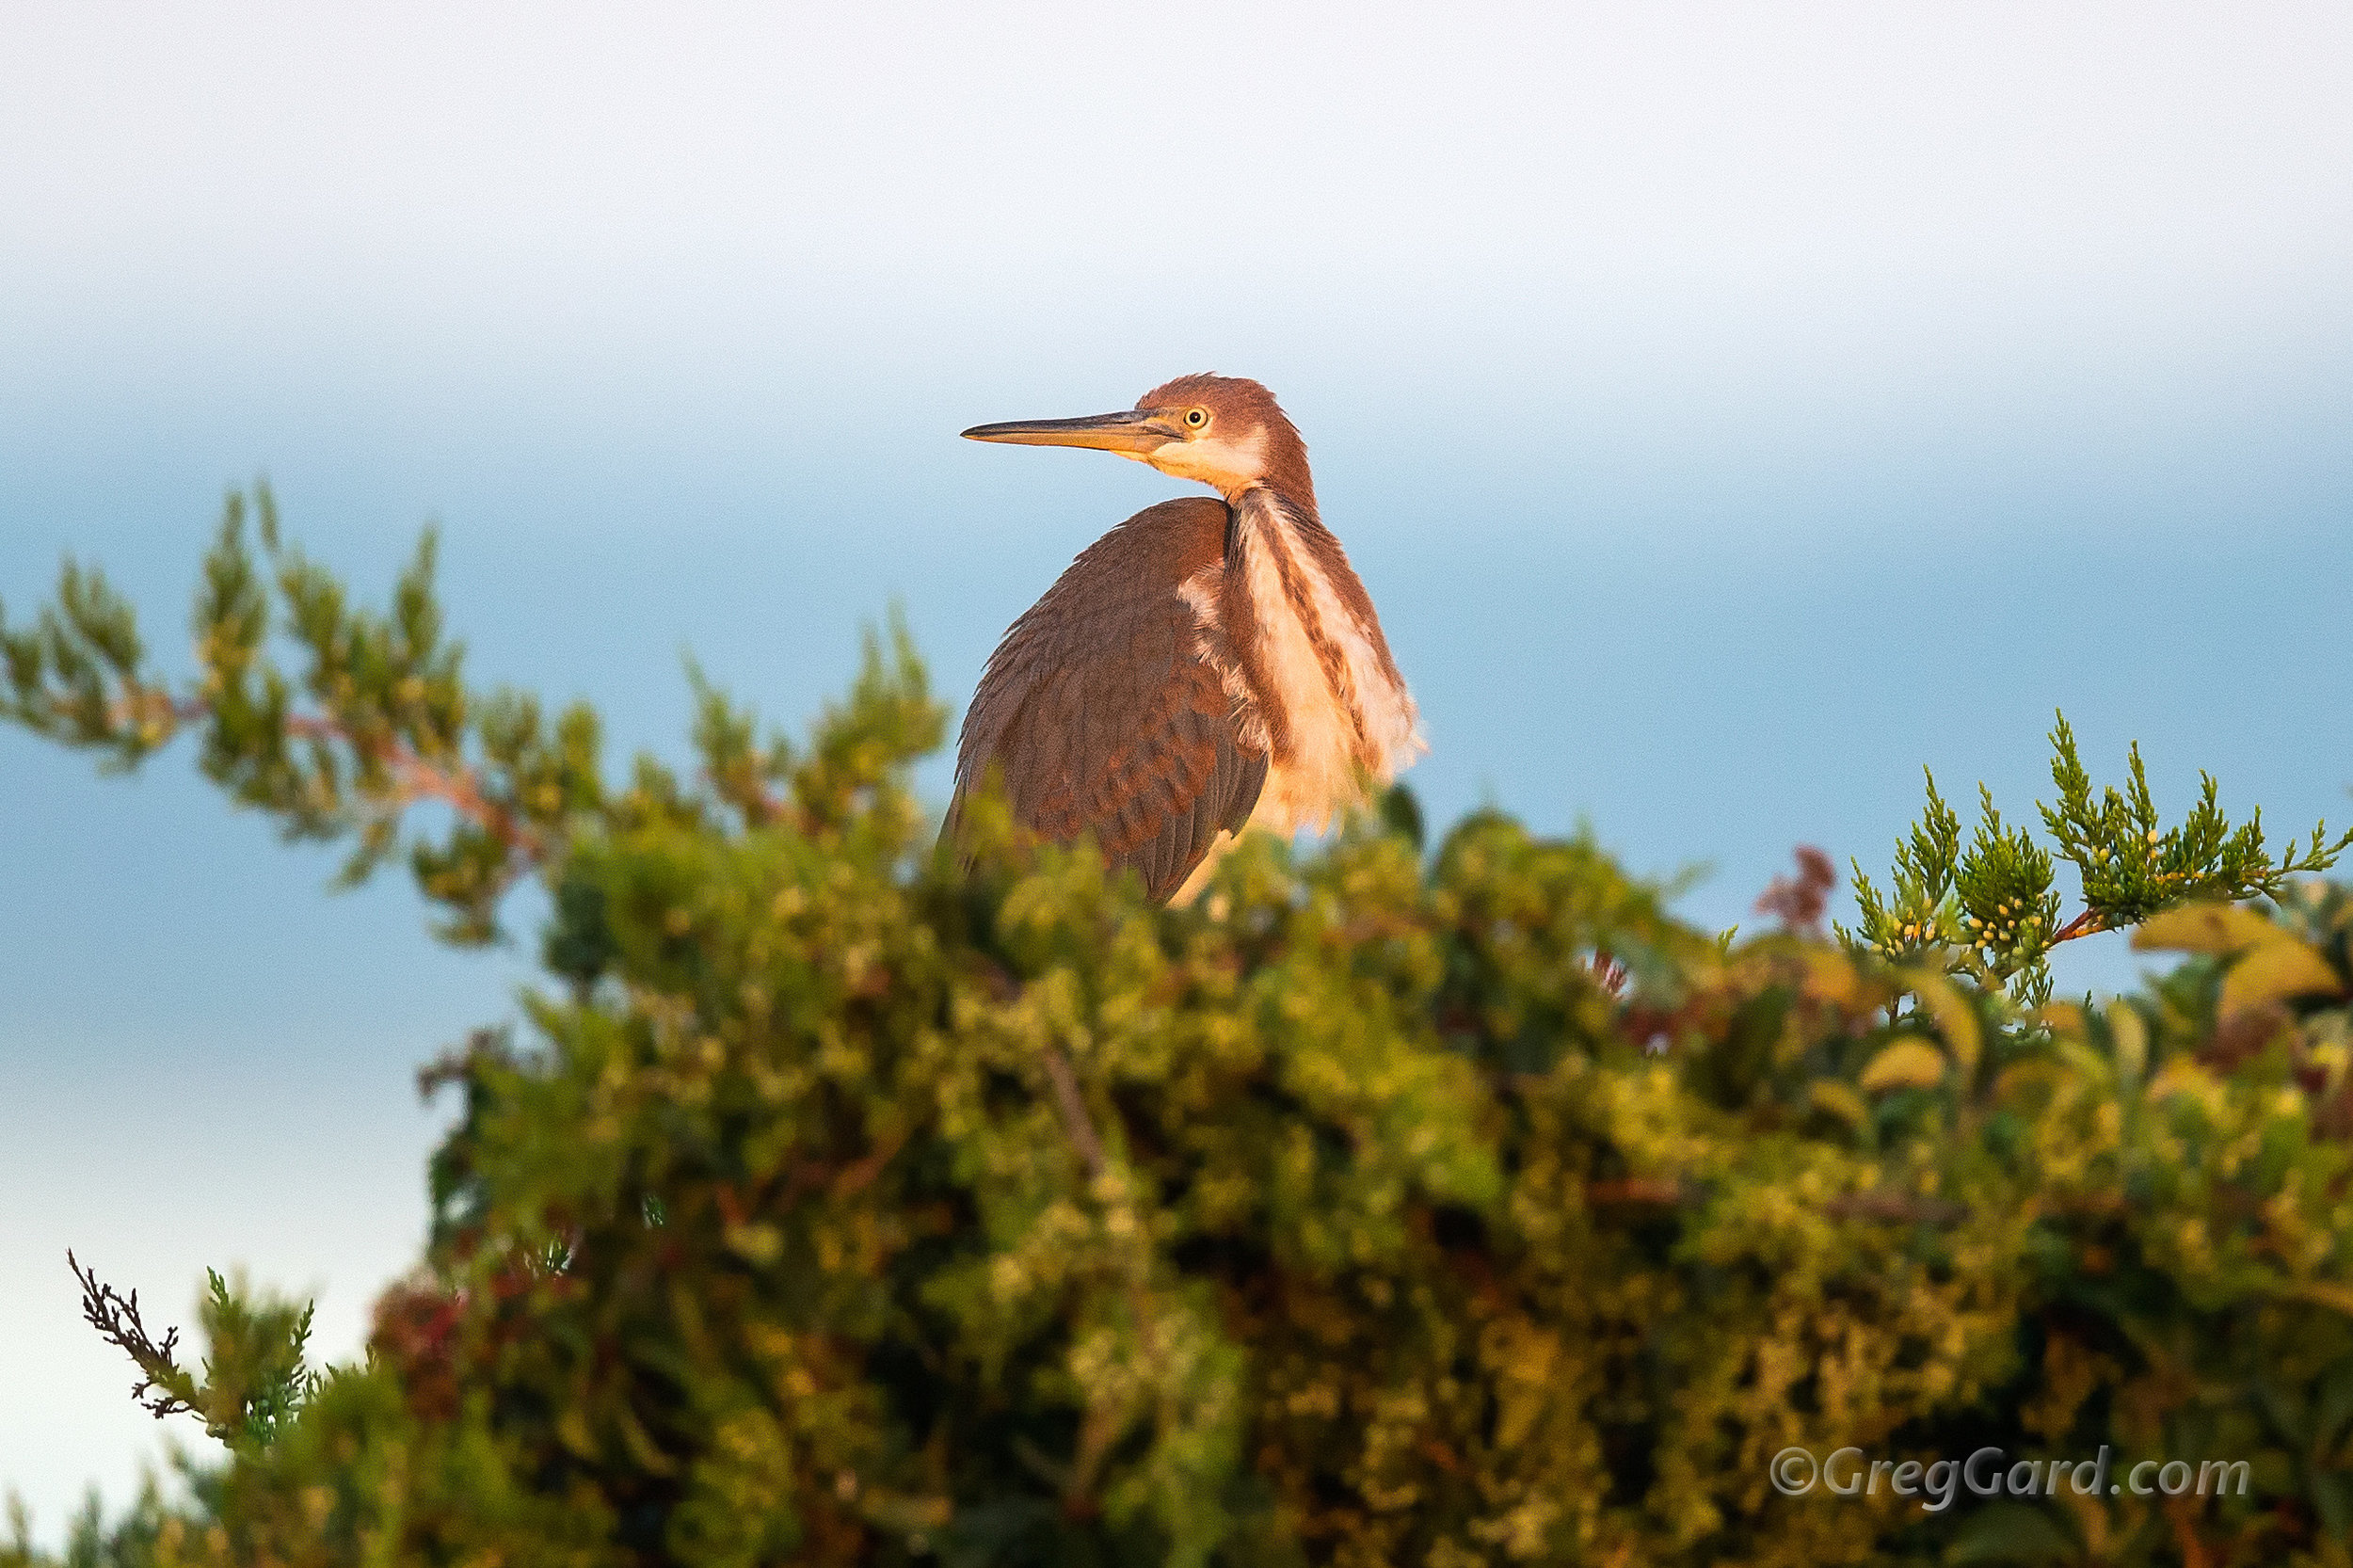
[1096, 1432]
[1897, 1208]
[2086, 925]
[1073, 1107]
[2182, 1515]
[419, 780]
[414, 779]
[1639, 1192]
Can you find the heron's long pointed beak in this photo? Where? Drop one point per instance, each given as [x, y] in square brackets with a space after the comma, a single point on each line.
[1132, 433]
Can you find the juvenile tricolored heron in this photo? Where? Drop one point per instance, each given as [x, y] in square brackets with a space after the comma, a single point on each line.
[1204, 665]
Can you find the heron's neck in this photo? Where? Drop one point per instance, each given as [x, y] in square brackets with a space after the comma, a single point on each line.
[1282, 470]
[1311, 645]
[1291, 502]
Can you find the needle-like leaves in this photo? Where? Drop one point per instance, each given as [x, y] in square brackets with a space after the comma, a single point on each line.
[1994, 914]
[836, 1205]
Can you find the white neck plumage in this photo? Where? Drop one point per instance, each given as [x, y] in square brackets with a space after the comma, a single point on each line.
[1346, 716]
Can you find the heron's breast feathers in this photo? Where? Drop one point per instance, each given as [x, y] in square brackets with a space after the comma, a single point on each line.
[1331, 708]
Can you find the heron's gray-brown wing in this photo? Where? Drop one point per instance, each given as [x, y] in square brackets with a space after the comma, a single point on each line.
[1106, 707]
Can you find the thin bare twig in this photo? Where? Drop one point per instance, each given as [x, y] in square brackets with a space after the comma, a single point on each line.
[1099, 1430]
[1073, 1107]
[116, 1316]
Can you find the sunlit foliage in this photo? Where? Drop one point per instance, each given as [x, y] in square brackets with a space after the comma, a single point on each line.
[835, 1203]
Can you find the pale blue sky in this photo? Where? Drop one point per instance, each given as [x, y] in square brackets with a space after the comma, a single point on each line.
[1731, 410]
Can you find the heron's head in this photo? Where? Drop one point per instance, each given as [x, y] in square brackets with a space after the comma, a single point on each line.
[1222, 430]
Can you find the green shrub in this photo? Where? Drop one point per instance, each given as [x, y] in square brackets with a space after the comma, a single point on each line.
[835, 1205]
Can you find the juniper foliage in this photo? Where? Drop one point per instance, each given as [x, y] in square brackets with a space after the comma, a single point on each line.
[1991, 913]
[254, 1379]
[834, 1204]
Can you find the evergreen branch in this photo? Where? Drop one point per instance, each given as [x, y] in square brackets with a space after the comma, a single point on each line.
[373, 716]
[414, 779]
[377, 718]
[1993, 912]
[252, 1383]
[737, 769]
[257, 1378]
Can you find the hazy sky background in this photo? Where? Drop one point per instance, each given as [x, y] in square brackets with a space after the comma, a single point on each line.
[1730, 409]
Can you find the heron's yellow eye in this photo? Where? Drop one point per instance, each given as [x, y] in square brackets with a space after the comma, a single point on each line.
[1197, 418]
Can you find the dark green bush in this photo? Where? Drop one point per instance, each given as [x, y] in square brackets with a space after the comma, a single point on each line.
[835, 1205]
